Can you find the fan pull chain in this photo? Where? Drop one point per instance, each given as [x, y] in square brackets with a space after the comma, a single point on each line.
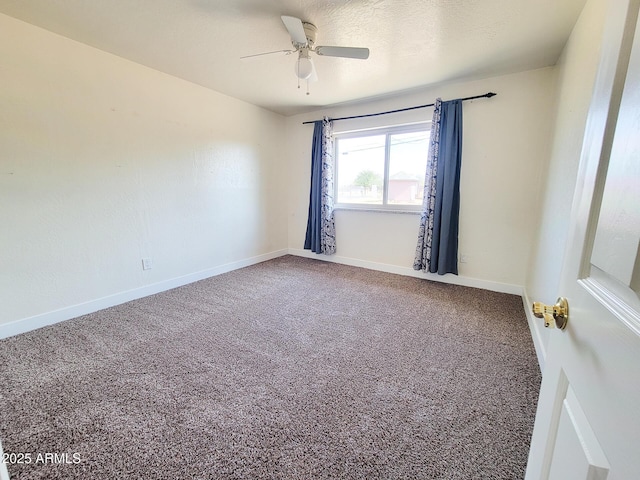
[307, 85]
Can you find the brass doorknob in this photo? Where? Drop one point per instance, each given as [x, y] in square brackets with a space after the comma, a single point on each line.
[554, 315]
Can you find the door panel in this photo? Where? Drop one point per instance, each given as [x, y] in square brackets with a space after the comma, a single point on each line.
[614, 270]
[578, 454]
[588, 415]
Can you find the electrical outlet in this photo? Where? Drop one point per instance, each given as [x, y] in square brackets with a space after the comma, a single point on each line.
[147, 264]
[464, 258]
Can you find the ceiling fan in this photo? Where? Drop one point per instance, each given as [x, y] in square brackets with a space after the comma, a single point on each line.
[303, 38]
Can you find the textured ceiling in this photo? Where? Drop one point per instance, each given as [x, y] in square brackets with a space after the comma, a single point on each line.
[412, 42]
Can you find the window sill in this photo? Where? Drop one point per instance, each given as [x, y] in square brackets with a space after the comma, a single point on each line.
[377, 210]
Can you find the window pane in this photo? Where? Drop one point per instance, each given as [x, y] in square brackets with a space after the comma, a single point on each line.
[407, 165]
[360, 169]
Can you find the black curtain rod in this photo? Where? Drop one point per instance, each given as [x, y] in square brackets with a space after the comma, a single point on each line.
[486, 95]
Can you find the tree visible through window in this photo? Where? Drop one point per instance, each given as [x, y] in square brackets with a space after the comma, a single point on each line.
[383, 168]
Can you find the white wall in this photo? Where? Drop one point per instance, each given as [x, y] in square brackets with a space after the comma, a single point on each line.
[104, 162]
[505, 148]
[577, 69]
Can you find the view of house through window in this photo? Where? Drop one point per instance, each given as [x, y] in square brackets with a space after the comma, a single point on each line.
[383, 168]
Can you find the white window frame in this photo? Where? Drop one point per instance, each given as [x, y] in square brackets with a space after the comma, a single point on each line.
[387, 131]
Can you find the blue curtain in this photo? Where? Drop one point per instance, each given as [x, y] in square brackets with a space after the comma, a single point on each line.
[437, 249]
[321, 233]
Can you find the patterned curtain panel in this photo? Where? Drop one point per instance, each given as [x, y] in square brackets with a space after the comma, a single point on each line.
[321, 230]
[437, 249]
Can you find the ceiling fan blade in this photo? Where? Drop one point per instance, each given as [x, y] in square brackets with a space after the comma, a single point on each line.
[295, 29]
[345, 52]
[286, 52]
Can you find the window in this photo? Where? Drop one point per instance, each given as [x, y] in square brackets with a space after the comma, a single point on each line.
[382, 169]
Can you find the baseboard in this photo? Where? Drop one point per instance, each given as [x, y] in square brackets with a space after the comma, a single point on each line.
[410, 272]
[535, 326]
[38, 321]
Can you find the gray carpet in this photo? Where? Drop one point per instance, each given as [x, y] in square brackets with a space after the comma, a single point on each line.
[293, 368]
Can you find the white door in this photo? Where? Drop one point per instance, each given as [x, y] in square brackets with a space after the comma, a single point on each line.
[588, 420]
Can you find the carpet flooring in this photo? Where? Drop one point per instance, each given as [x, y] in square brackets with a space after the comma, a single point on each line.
[293, 368]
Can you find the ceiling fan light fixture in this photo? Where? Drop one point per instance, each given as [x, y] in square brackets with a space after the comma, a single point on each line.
[304, 68]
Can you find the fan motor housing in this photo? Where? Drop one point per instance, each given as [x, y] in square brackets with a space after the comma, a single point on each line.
[310, 32]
